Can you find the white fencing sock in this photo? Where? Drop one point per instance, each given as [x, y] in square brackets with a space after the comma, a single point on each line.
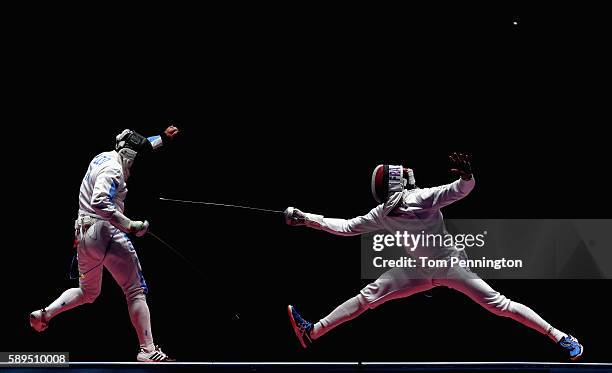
[343, 313]
[69, 299]
[528, 317]
[141, 319]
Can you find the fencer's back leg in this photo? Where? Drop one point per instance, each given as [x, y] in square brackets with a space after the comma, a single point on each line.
[393, 284]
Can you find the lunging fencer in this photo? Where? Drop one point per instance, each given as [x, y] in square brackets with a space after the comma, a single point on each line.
[102, 241]
[405, 207]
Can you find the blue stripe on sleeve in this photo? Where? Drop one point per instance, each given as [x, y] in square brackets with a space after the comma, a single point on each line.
[113, 191]
[156, 141]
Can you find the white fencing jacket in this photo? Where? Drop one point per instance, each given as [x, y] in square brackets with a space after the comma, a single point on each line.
[415, 211]
[104, 187]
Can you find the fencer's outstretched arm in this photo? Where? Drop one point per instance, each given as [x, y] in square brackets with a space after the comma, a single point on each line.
[428, 198]
[341, 227]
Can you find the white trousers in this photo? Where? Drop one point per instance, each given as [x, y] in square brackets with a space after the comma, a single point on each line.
[398, 283]
[104, 246]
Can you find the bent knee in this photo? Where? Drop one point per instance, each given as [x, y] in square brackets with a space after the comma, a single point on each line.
[135, 293]
[367, 296]
[370, 297]
[499, 305]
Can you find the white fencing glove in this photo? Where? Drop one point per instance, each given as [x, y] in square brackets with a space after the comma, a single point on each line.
[139, 228]
[295, 217]
[124, 224]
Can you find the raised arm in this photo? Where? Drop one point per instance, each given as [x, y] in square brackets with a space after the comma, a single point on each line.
[159, 140]
[341, 227]
[444, 195]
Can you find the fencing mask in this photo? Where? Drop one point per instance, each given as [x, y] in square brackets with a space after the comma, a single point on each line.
[389, 179]
[128, 144]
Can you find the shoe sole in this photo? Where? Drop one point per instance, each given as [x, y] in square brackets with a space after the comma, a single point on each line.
[34, 318]
[577, 357]
[296, 330]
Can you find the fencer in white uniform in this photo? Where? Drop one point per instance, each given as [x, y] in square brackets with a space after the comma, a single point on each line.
[404, 207]
[102, 239]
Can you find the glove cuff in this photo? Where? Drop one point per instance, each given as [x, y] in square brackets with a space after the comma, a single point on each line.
[314, 221]
[120, 221]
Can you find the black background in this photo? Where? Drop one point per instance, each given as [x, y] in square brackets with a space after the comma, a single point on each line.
[295, 106]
